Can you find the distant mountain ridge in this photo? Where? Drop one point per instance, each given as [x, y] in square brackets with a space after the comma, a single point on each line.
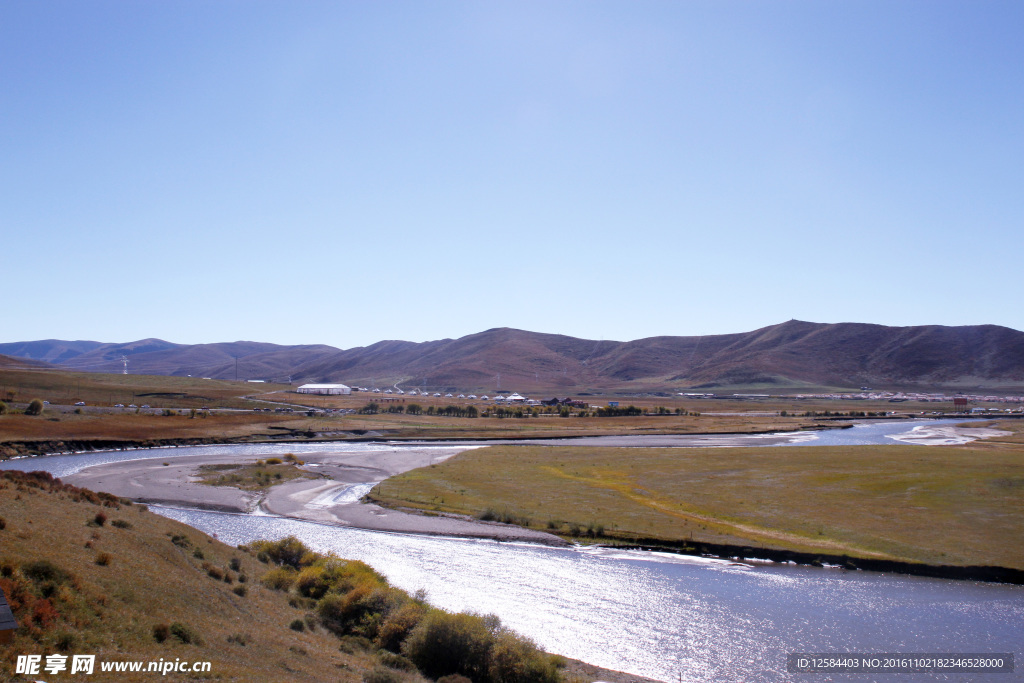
[789, 355]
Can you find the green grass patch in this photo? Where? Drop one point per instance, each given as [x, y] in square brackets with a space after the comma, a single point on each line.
[936, 504]
[258, 476]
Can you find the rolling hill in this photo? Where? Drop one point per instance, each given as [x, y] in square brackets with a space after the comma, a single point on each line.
[791, 355]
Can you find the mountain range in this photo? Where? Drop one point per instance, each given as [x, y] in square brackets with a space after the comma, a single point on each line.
[790, 355]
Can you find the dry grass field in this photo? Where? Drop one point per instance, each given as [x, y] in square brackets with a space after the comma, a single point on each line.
[937, 504]
[119, 582]
[100, 421]
[100, 389]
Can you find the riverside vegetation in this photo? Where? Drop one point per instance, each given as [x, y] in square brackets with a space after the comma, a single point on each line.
[956, 505]
[90, 573]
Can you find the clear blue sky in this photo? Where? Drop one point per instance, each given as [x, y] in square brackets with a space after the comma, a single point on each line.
[346, 172]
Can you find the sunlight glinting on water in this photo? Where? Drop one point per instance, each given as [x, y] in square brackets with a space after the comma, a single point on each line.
[667, 618]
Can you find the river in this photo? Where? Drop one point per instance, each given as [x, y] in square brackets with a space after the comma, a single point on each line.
[659, 615]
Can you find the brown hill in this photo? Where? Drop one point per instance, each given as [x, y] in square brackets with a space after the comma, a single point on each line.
[793, 354]
[790, 355]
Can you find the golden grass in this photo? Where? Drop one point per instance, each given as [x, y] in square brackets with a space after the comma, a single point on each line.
[131, 426]
[946, 505]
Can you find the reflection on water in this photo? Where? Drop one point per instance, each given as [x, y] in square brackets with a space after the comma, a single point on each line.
[662, 615]
[654, 614]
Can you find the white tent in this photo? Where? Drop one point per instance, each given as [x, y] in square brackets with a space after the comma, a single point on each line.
[324, 389]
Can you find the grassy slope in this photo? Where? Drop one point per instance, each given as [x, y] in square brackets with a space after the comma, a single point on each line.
[936, 504]
[111, 610]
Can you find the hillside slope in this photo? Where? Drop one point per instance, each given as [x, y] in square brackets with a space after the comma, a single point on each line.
[82, 588]
[789, 355]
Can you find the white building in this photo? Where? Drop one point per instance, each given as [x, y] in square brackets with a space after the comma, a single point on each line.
[324, 389]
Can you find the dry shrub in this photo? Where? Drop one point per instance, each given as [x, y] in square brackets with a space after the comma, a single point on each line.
[185, 634]
[43, 613]
[161, 632]
[103, 559]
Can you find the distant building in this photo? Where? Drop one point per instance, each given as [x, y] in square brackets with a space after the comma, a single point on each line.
[324, 389]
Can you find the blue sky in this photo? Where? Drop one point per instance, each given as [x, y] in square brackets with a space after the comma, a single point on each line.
[342, 173]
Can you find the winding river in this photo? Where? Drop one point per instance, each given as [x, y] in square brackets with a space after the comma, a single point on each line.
[669, 617]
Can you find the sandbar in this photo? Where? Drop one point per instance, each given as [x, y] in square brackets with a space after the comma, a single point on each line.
[332, 495]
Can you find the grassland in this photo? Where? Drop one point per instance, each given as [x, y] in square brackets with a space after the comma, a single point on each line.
[233, 417]
[102, 389]
[933, 504]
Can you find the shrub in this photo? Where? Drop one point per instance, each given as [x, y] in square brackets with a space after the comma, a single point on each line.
[395, 661]
[103, 559]
[444, 643]
[35, 407]
[297, 625]
[43, 613]
[279, 578]
[121, 524]
[353, 644]
[99, 520]
[66, 641]
[181, 541]
[398, 624]
[43, 570]
[235, 564]
[381, 674]
[161, 632]
[242, 639]
[3, 408]
[312, 583]
[215, 573]
[198, 554]
[240, 590]
[288, 551]
[185, 634]
[3, 523]
[274, 461]
[514, 659]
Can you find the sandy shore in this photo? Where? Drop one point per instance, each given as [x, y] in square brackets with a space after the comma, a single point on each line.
[332, 496]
